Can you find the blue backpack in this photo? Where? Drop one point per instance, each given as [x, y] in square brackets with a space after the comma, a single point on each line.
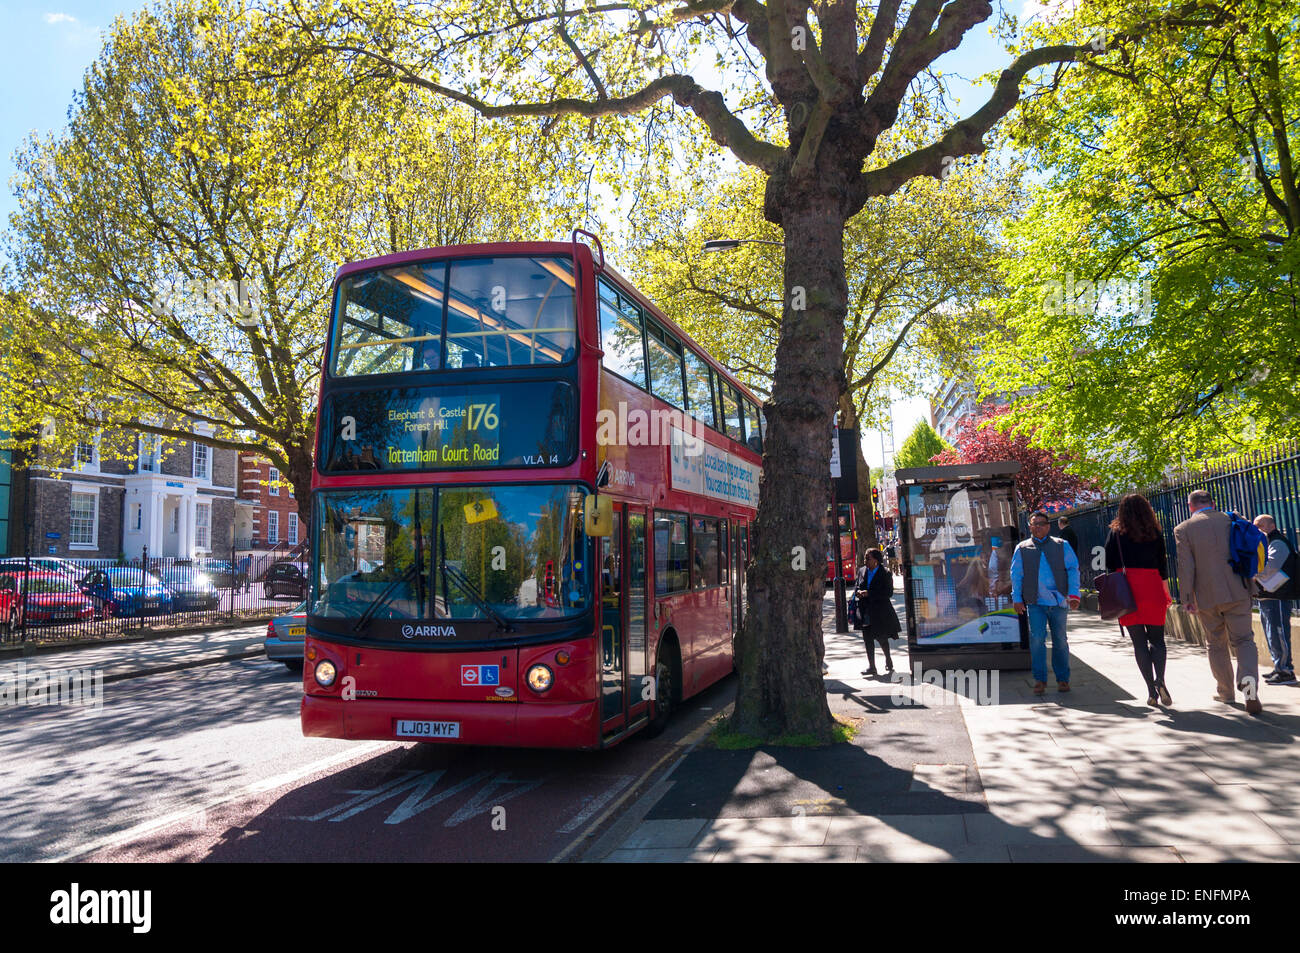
[1247, 548]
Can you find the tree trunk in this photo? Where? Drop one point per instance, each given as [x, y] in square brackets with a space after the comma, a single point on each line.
[780, 646]
[864, 513]
[298, 457]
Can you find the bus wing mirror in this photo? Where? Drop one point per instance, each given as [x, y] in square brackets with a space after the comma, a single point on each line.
[598, 513]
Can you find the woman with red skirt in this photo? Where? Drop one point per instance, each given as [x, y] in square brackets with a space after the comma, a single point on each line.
[1136, 547]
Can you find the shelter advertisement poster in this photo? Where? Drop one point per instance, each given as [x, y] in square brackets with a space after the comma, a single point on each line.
[960, 540]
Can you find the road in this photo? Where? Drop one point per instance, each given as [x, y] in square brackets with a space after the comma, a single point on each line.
[209, 764]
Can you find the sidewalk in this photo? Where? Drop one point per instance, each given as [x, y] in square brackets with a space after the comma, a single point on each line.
[152, 656]
[1093, 775]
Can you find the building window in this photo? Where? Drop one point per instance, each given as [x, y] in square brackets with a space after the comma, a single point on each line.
[85, 508]
[137, 516]
[176, 519]
[149, 451]
[293, 529]
[84, 455]
[202, 454]
[273, 526]
[203, 526]
[274, 481]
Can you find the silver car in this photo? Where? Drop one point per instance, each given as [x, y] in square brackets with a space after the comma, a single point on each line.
[285, 636]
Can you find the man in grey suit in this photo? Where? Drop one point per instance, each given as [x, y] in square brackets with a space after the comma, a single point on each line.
[1219, 597]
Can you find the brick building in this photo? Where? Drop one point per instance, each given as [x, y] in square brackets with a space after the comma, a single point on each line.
[175, 497]
[267, 510]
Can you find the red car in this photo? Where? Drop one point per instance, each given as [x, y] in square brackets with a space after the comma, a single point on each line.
[46, 597]
[8, 603]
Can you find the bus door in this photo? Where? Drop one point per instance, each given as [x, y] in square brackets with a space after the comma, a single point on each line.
[737, 577]
[637, 600]
[613, 647]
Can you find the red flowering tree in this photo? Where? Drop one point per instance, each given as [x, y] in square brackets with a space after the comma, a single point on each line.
[1043, 479]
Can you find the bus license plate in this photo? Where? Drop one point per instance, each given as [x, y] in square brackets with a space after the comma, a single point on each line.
[428, 729]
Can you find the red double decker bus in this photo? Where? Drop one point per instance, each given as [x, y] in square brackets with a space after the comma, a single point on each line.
[848, 543]
[532, 499]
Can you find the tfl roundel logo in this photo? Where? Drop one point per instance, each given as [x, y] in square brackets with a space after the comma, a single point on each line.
[480, 674]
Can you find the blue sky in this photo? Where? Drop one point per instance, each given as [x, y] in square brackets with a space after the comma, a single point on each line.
[50, 46]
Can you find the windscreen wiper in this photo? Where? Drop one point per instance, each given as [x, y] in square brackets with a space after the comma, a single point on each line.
[386, 595]
[468, 587]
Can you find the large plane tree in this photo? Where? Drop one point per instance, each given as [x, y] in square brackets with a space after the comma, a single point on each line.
[803, 93]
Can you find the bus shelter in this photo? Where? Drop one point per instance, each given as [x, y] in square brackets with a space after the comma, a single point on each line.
[958, 531]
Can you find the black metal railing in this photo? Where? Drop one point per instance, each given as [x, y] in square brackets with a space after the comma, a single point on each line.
[105, 599]
[1256, 483]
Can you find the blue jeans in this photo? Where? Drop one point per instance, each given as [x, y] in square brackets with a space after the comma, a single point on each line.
[1041, 618]
[1275, 617]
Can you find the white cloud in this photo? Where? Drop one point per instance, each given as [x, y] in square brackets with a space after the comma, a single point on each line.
[53, 18]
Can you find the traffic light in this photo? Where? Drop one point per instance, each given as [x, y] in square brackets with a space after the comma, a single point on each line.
[875, 497]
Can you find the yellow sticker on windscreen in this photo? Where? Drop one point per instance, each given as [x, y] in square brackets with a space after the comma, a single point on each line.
[480, 511]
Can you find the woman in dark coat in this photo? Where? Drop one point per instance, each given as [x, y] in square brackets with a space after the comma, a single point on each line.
[875, 590]
[1136, 547]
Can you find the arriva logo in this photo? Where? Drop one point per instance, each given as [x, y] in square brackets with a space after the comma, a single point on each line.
[429, 631]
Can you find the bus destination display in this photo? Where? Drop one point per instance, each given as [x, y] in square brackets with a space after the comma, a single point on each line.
[440, 428]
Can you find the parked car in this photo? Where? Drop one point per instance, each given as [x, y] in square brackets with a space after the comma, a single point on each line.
[130, 592]
[285, 637]
[9, 602]
[191, 588]
[285, 579]
[62, 567]
[47, 597]
[222, 574]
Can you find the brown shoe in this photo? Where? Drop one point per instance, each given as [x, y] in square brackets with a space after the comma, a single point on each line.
[1226, 699]
[1062, 686]
[1253, 707]
[1040, 687]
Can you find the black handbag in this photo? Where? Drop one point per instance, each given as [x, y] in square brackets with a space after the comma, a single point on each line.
[1114, 595]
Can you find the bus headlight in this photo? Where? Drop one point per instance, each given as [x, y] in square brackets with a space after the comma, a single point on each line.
[325, 673]
[539, 678]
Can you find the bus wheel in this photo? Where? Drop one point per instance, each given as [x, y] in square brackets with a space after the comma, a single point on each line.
[666, 694]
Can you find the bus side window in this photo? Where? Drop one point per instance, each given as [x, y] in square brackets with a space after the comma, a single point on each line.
[753, 429]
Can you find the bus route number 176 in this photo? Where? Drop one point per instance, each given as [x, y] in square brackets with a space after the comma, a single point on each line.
[482, 415]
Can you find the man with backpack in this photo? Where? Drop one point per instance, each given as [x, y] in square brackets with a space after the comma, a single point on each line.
[1275, 603]
[1211, 587]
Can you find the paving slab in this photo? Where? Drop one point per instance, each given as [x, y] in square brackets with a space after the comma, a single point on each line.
[931, 854]
[651, 855]
[1094, 854]
[936, 830]
[1212, 854]
[787, 855]
[1040, 824]
[730, 834]
[1222, 828]
[665, 834]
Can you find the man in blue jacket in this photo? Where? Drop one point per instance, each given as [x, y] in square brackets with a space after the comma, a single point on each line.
[1045, 583]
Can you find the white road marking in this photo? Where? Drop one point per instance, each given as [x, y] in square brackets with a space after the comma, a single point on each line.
[258, 787]
[593, 804]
